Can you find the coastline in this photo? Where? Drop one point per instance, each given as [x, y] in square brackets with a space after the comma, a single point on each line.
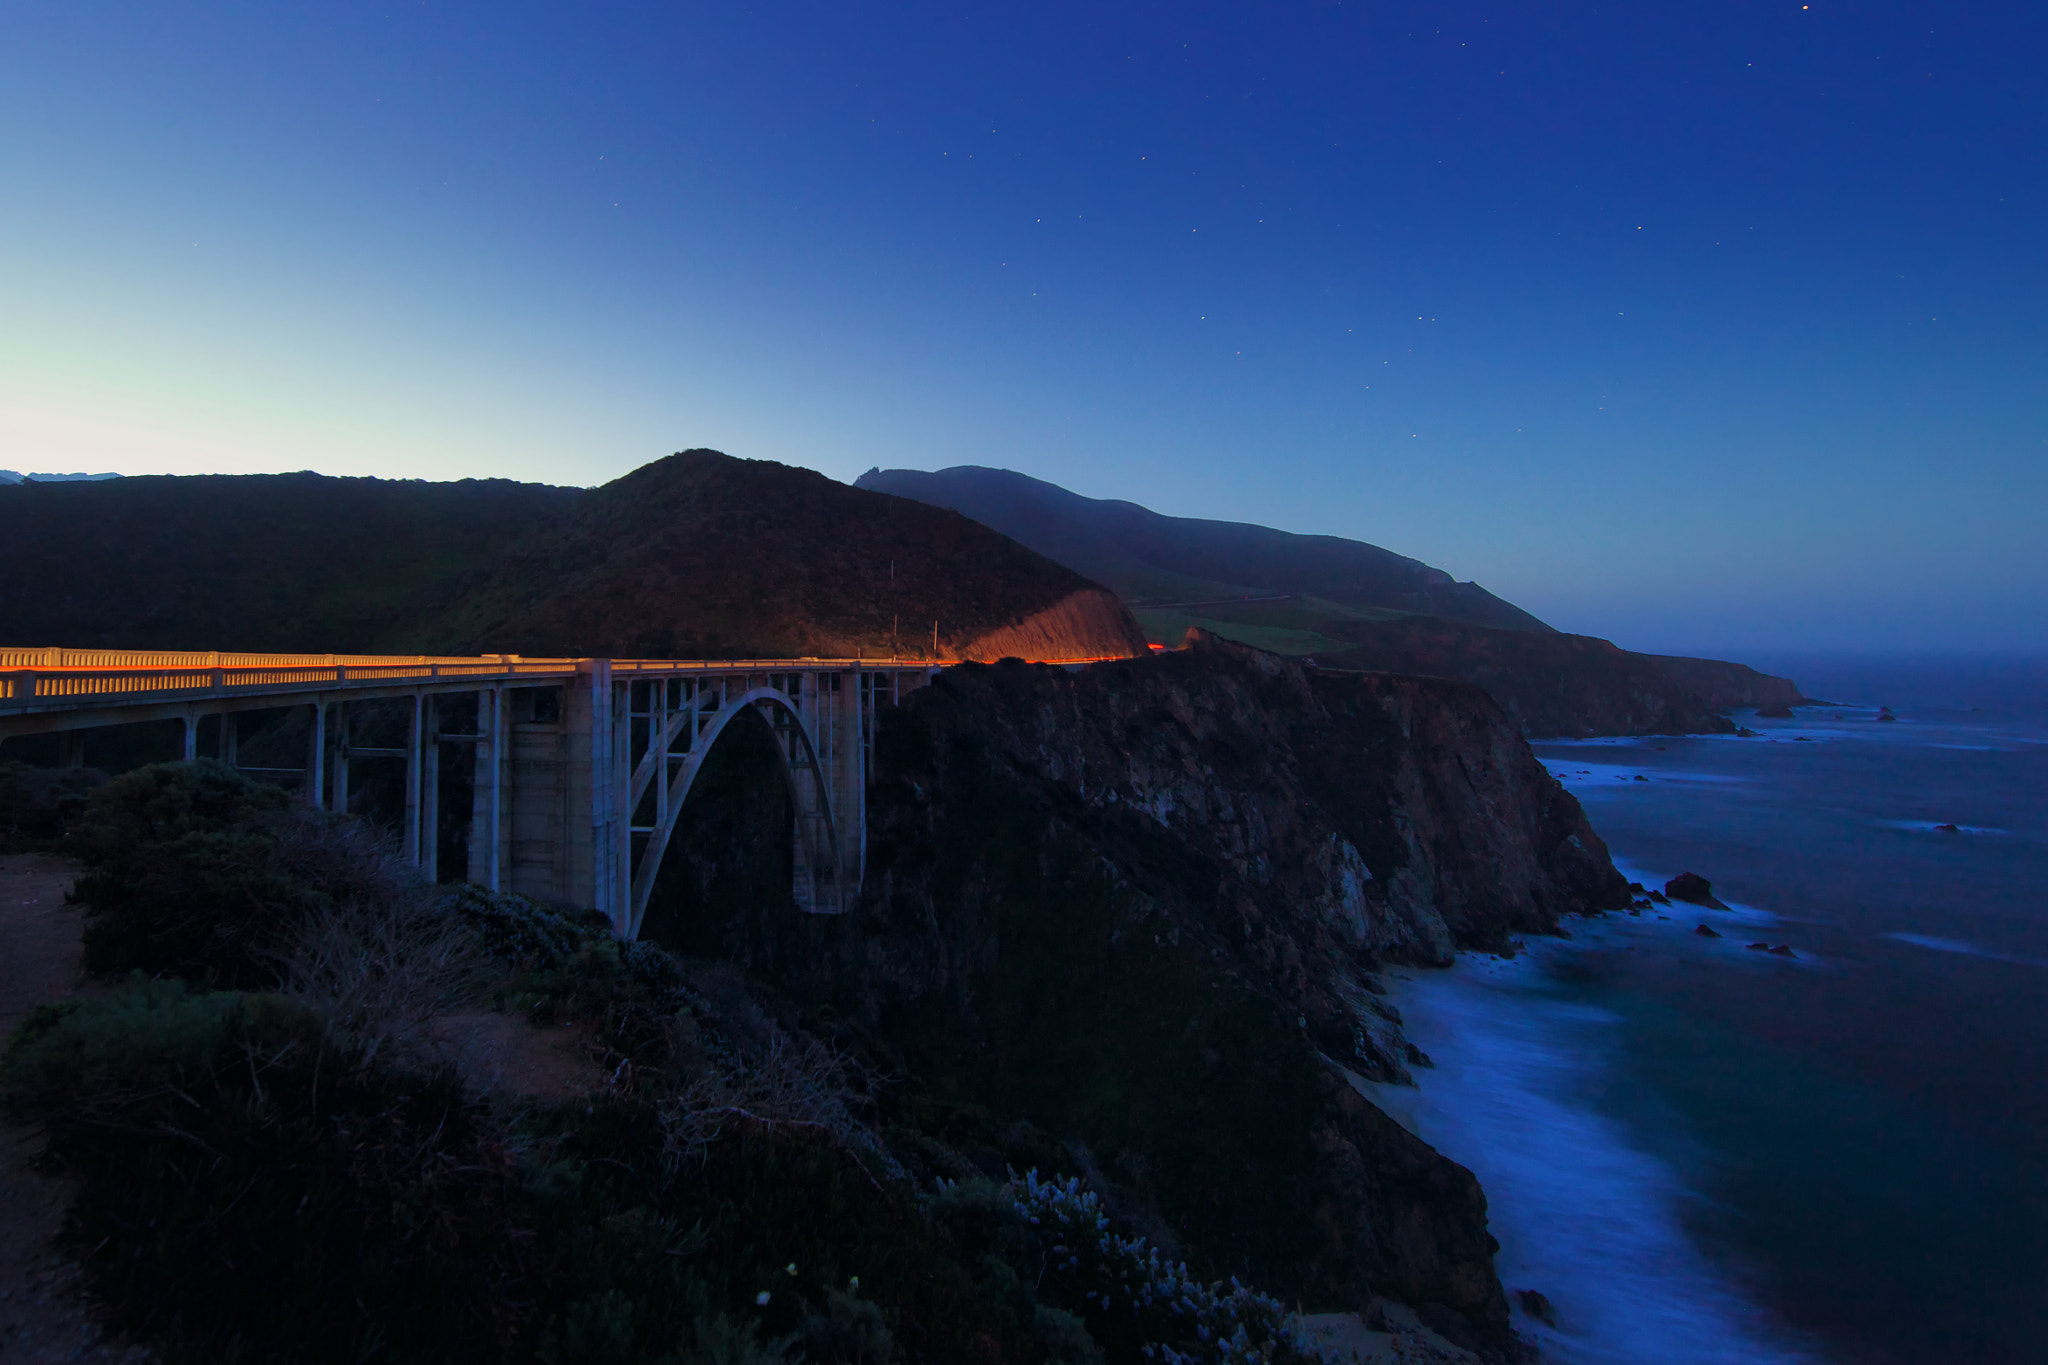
[1586, 1213]
[1838, 1148]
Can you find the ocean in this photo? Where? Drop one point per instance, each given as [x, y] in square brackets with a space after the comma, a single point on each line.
[1703, 1151]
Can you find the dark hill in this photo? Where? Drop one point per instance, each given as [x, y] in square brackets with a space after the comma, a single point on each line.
[697, 554]
[262, 562]
[1149, 558]
[703, 555]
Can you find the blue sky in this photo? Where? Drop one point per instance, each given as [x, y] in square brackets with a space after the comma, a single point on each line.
[1702, 327]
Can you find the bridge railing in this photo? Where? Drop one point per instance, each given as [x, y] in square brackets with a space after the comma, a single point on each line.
[42, 678]
[39, 677]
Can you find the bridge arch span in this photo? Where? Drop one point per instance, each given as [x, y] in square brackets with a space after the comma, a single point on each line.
[819, 856]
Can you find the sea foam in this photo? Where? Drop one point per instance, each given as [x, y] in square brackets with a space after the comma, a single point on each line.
[1584, 1214]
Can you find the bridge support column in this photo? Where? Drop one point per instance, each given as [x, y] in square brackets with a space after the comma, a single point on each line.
[595, 731]
[316, 758]
[430, 791]
[487, 809]
[191, 735]
[339, 803]
[413, 746]
[849, 785]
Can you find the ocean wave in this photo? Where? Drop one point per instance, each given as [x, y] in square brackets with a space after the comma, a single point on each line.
[1957, 946]
[1599, 774]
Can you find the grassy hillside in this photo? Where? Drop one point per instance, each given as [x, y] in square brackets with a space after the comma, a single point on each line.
[1154, 560]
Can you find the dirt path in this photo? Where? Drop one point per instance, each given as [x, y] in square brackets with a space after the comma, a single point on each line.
[43, 1314]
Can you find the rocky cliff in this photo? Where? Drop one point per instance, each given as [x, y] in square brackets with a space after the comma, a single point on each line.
[1551, 685]
[1724, 686]
[1141, 907]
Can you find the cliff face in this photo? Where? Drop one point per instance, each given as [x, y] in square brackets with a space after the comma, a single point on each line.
[1551, 685]
[1141, 906]
[1724, 686]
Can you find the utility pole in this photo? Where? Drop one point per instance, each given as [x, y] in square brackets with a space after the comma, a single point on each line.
[935, 642]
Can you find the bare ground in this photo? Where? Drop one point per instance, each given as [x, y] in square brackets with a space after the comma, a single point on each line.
[44, 1314]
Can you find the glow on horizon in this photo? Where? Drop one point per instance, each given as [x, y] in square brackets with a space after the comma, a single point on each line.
[1582, 308]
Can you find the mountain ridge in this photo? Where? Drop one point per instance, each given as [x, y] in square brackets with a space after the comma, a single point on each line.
[697, 554]
[1149, 558]
[1348, 605]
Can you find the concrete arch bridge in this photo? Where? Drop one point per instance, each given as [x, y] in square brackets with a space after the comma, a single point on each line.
[582, 766]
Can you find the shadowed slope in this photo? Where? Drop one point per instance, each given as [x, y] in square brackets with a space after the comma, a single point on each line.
[1147, 557]
[703, 555]
[261, 562]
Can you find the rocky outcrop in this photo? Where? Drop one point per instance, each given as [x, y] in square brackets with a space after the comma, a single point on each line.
[1090, 624]
[1693, 889]
[1141, 907]
[1550, 683]
[1724, 686]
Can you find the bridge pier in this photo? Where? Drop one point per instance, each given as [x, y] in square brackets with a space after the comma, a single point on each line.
[316, 756]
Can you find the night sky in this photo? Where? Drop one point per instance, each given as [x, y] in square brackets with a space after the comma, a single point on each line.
[1705, 327]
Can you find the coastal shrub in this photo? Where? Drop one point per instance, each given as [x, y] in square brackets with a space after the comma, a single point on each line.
[1134, 1303]
[36, 804]
[290, 1176]
[198, 872]
[252, 1187]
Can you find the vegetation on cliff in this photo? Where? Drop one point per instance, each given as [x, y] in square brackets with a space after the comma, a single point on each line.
[298, 1170]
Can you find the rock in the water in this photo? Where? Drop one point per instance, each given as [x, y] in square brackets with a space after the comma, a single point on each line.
[1704, 932]
[1759, 947]
[1693, 889]
[1537, 1306]
[1779, 712]
[1949, 829]
[1884, 713]
[1784, 950]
